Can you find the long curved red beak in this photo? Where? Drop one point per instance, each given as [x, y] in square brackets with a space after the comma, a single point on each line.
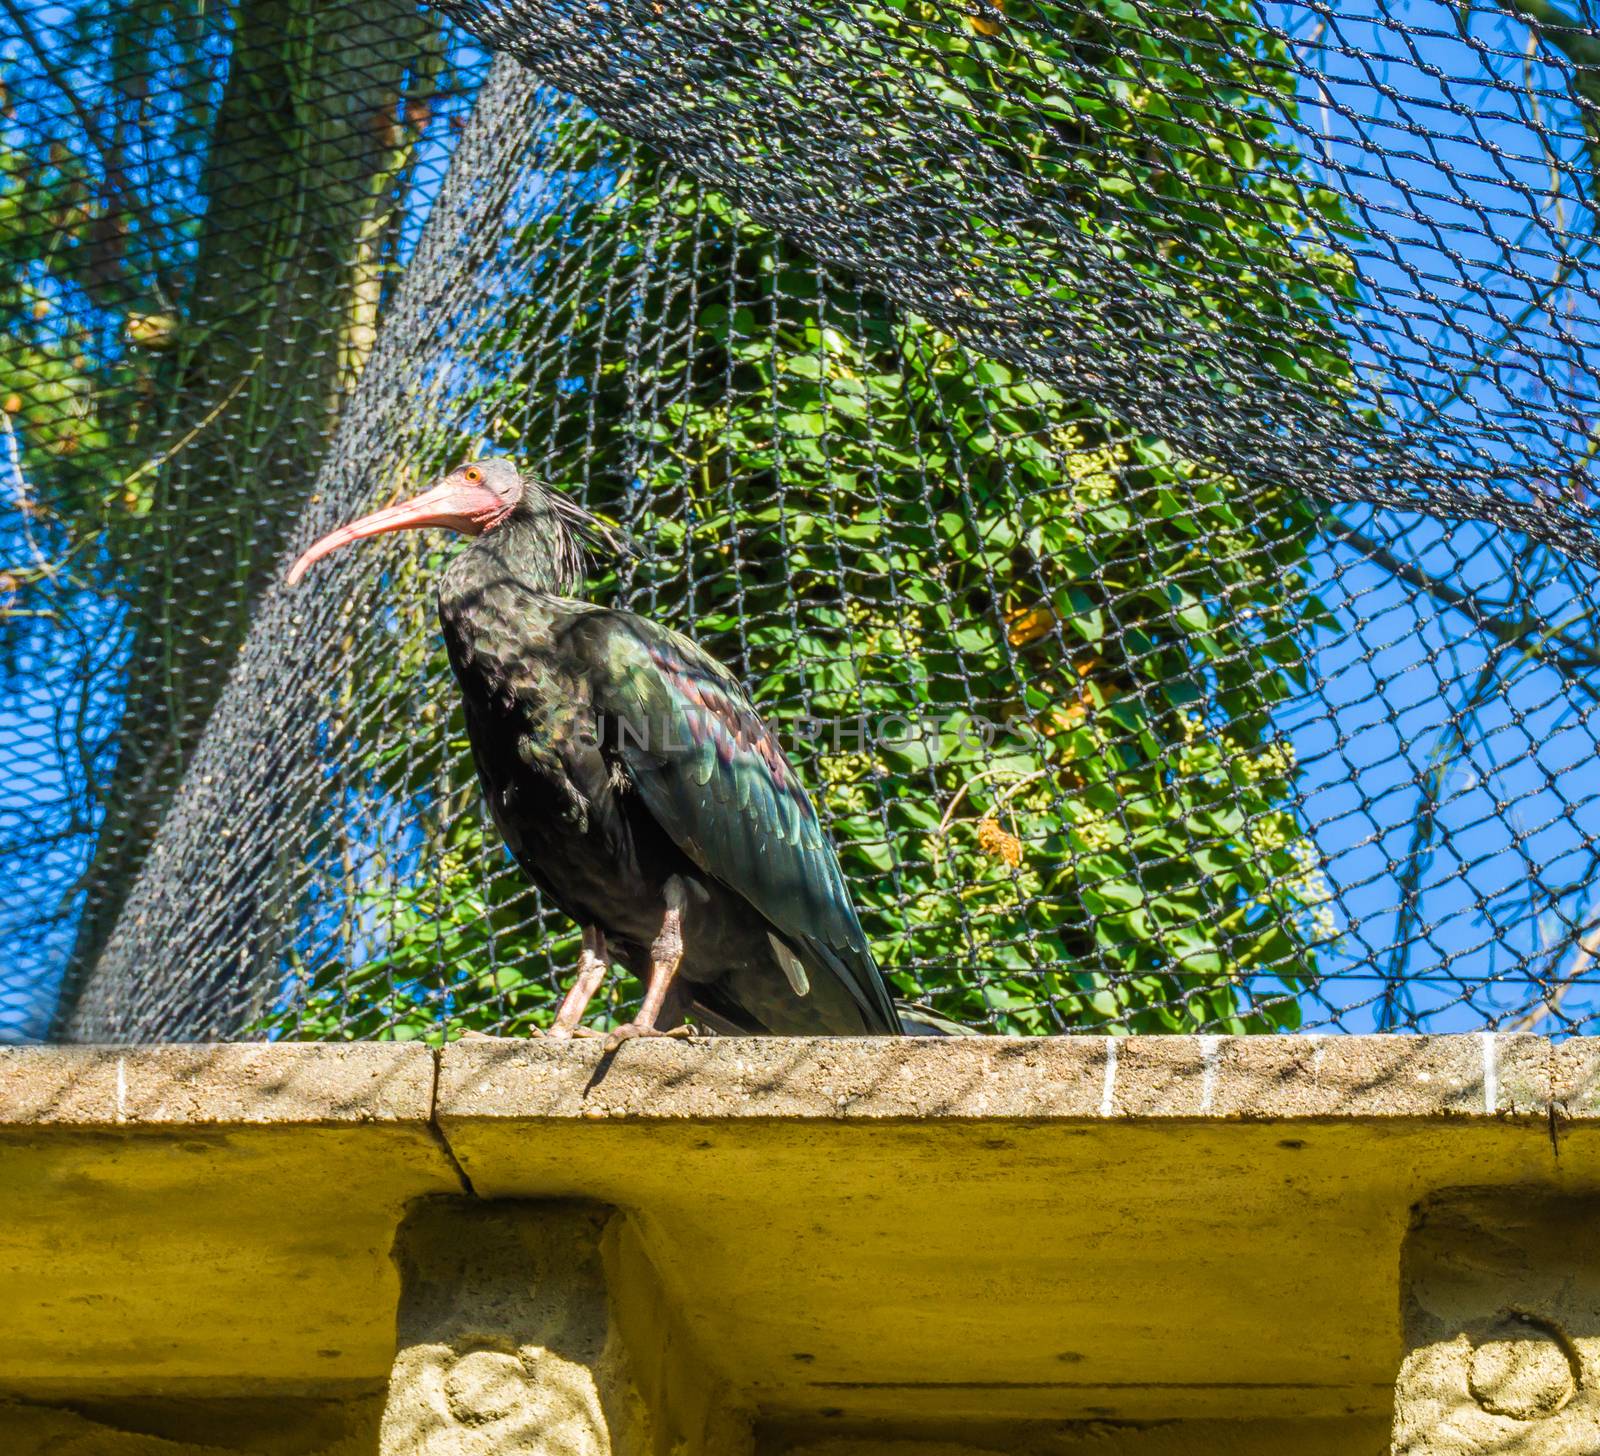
[455, 505]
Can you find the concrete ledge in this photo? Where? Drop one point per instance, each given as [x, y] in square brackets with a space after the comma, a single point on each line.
[257, 1084]
[849, 1232]
[207, 1220]
[1237, 1078]
[1067, 1228]
[987, 1078]
[1575, 1080]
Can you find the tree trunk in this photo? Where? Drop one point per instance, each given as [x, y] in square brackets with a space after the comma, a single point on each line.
[301, 179]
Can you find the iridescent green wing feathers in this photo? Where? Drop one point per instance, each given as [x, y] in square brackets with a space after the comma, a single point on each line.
[714, 776]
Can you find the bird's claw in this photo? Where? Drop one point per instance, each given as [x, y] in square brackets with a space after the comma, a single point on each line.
[632, 1030]
[568, 1033]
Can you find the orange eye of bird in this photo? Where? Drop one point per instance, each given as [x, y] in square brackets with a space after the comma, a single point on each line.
[474, 475]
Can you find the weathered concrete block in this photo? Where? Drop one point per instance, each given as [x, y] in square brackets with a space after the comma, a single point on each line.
[539, 1329]
[1501, 1306]
[505, 1341]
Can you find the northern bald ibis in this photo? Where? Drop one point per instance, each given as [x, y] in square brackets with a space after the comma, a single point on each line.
[635, 783]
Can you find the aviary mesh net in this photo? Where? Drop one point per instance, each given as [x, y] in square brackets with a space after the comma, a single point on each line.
[1140, 456]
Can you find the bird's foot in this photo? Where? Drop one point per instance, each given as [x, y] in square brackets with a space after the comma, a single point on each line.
[632, 1029]
[532, 1033]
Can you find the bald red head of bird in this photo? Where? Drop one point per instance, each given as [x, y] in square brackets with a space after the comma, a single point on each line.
[471, 499]
[479, 496]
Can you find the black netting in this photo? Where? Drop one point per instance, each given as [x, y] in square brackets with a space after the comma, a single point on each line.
[1139, 457]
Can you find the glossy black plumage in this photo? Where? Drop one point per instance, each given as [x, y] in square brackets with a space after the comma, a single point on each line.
[615, 755]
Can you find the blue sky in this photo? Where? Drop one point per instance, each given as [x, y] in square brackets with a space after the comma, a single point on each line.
[1456, 182]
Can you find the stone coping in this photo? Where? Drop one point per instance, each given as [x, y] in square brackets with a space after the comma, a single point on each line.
[1473, 1075]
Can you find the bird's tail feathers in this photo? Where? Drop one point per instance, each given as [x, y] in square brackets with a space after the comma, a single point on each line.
[919, 1021]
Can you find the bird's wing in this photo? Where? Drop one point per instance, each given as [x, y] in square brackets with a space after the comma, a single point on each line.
[715, 777]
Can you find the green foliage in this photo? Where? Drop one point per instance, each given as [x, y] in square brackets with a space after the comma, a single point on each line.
[201, 210]
[48, 388]
[109, 160]
[1086, 819]
[1154, 125]
[95, 235]
[41, 365]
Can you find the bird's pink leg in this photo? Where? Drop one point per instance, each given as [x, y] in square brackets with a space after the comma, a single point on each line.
[592, 967]
[666, 953]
